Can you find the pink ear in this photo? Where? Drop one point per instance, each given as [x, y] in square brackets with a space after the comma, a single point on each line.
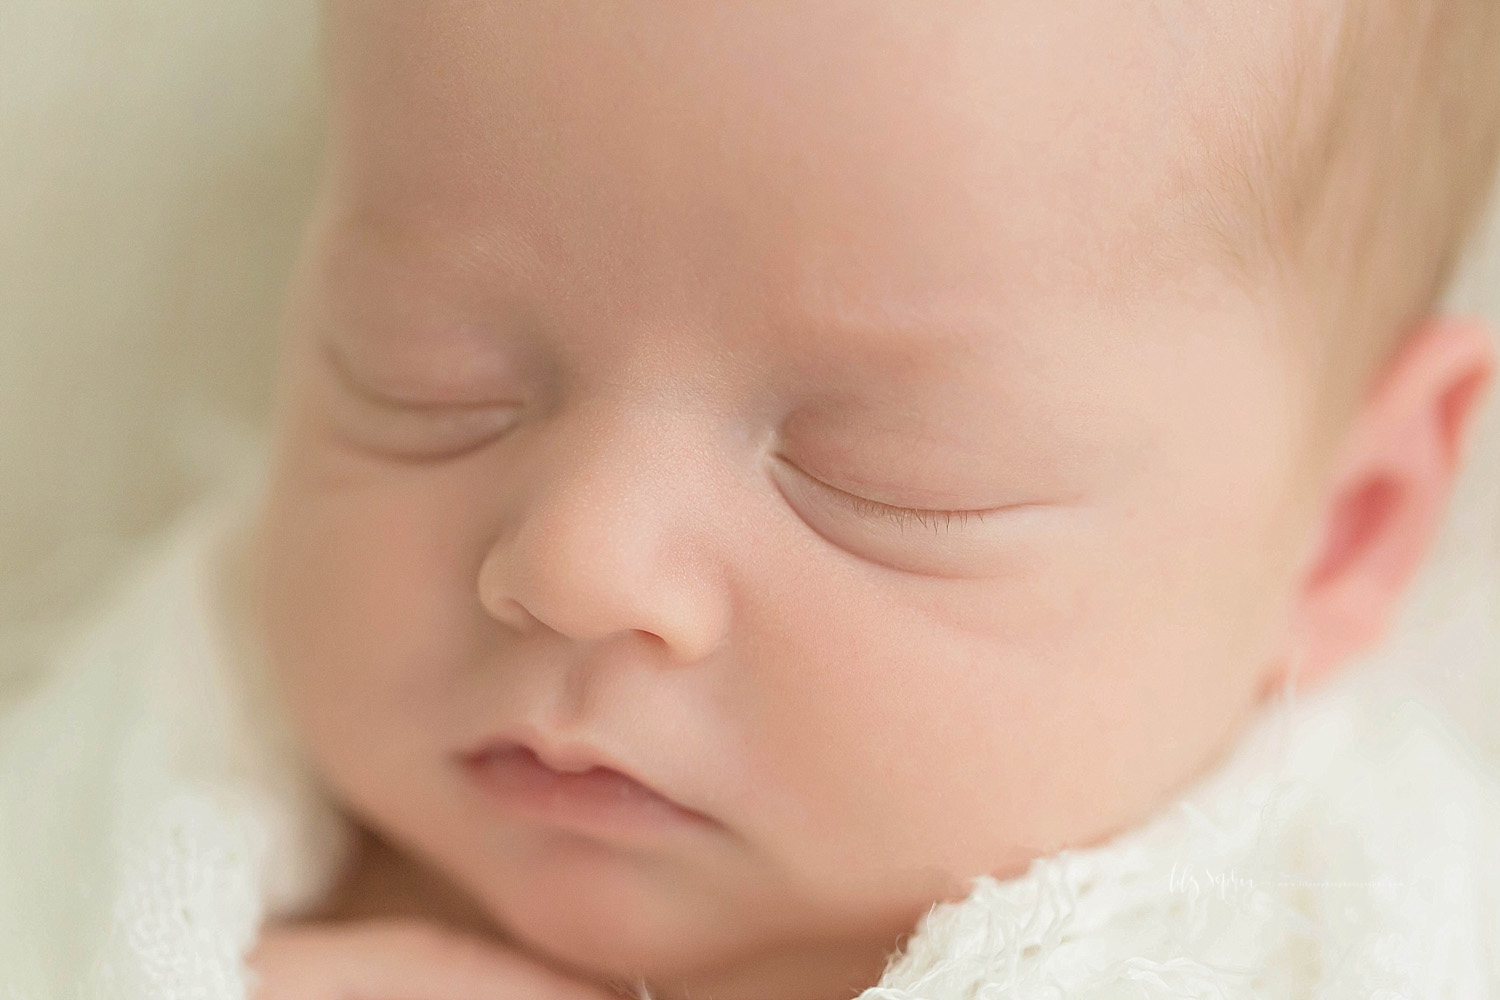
[1388, 492]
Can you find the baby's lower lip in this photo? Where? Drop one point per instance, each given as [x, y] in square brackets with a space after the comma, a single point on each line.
[598, 802]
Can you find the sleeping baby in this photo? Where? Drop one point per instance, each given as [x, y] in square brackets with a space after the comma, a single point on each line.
[788, 501]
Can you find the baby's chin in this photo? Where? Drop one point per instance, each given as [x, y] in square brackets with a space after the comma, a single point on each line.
[623, 919]
[611, 916]
[585, 920]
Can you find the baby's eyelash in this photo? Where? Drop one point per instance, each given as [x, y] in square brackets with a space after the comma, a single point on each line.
[936, 521]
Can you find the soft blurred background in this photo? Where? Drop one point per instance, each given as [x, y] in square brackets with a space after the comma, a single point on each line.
[155, 159]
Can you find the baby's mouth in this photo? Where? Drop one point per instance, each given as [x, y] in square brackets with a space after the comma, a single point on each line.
[575, 792]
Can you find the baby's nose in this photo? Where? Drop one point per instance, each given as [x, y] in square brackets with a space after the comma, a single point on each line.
[610, 538]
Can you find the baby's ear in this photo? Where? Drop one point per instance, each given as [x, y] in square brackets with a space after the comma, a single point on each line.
[1388, 491]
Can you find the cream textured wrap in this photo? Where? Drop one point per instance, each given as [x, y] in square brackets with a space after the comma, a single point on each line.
[153, 812]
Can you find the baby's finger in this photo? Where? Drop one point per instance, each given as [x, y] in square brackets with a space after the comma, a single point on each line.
[398, 960]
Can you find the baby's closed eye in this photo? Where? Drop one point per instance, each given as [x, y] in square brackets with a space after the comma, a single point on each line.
[409, 428]
[944, 542]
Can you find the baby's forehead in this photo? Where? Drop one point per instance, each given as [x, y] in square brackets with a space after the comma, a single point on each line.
[1025, 149]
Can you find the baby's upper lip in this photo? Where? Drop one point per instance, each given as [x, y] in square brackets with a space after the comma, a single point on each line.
[567, 758]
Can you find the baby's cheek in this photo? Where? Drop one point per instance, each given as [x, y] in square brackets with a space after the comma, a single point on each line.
[970, 725]
[885, 735]
[1160, 666]
[366, 619]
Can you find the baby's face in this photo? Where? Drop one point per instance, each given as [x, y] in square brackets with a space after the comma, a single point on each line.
[831, 415]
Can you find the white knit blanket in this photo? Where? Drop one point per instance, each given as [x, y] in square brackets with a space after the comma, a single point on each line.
[153, 813]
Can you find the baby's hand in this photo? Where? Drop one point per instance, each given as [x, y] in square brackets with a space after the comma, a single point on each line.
[401, 959]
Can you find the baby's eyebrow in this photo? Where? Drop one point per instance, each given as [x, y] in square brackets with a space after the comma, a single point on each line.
[903, 344]
[843, 334]
[384, 237]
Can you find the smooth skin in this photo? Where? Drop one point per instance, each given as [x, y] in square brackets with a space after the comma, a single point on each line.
[833, 411]
[399, 960]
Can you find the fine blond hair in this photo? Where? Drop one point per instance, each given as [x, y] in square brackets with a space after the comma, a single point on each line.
[1366, 166]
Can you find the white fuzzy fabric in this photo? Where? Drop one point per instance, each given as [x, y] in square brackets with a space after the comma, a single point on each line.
[152, 809]
[153, 812]
[1347, 849]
